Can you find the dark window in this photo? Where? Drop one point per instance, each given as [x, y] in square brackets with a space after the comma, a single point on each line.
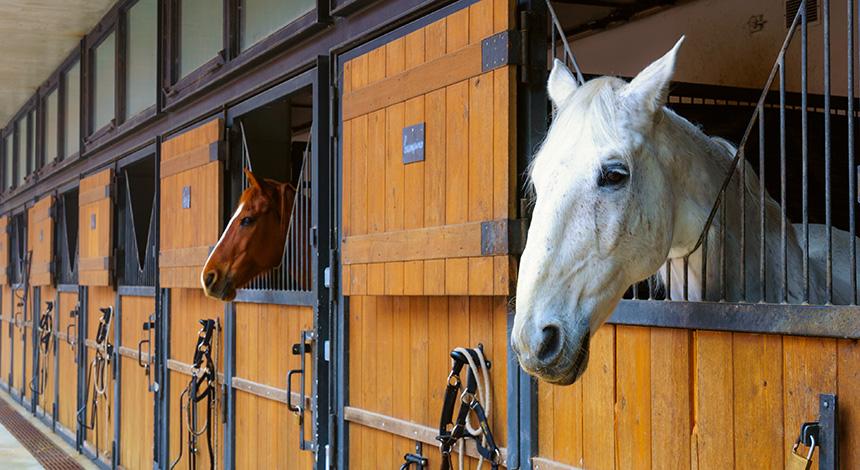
[136, 229]
[17, 247]
[9, 163]
[66, 237]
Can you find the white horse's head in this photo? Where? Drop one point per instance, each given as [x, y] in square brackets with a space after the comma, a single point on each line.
[602, 218]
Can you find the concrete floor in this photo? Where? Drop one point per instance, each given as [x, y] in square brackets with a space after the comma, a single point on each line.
[13, 455]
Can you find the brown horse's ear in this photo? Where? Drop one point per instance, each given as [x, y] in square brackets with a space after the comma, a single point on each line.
[253, 179]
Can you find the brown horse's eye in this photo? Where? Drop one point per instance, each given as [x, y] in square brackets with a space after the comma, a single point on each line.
[246, 221]
[613, 175]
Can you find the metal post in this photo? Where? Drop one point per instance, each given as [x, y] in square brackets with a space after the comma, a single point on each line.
[162, 332]
[117, 390]
[56, 320]
[230, 395]
[828, 434]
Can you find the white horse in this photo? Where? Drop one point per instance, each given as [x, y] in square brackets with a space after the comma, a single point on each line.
[623, 187]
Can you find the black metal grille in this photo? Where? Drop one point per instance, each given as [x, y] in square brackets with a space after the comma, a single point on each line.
[801, 151]
[136, 227]
[66, 237]
[294, 273]
[791, 7]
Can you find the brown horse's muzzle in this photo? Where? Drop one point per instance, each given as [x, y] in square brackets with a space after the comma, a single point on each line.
[218, 285]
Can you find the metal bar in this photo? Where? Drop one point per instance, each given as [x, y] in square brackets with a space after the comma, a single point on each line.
[557, 25]
[828, 215]
[513, 396]
[801, 320]
[852, 169]
[230, 395]
[828, 434]
[743, 230]
[762, 194]
[783, 201]
[117, 382]
[804, 124]
[723, 247]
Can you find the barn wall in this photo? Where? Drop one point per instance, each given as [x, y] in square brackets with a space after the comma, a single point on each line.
[731, 48]
[6, 343]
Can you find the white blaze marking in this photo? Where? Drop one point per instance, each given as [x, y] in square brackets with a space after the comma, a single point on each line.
[226, 229]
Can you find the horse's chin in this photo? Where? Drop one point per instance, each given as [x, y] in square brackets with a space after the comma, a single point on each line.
[224, 292]
[564, 372]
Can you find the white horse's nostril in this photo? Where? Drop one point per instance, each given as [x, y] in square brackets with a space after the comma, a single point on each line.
[550, 344]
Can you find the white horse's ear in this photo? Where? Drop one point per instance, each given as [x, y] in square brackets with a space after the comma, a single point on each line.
[650, 89]
[561, 83]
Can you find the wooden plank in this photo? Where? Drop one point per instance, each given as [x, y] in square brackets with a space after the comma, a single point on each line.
[131, 353]
[369, 396]
[358, 182]
[94, 264]
[419, 360]
[504, 143]
[540, 463]
[446, 241]
[182, 257]
[848, 389]
[713, 400]
[633, 389]
[185, 368]
[598, 401]
[809, 369]
[435, 132]
[376, 177]
[178, 146]
[406, 429]
[384, 376]
[93, 194]
[480, 21]
[670, 399]
[758, 394]
[346, 174]
[457, 276]
[432, 75]
[194, 158]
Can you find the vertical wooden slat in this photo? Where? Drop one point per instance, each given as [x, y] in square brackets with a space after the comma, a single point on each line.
[713, 401]
[376, 174]
[598, 401]
[758, 394]
[848, 389]
[419, 360]
[809, 369]
[481, 21]
[385, 353]
[456, 176]
[413, 177]
[567, 406]
[670, 399]
[356, 364]
[369, 392]
[633, 402]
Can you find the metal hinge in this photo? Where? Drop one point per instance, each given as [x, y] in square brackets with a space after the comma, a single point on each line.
[501, 49]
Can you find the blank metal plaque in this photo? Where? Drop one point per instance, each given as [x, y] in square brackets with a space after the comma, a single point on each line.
[186, 197]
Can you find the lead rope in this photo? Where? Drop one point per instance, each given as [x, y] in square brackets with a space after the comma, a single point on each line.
[46, 331]
[96, 376]
[484, 395]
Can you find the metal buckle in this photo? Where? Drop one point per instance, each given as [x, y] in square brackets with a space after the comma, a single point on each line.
[453, 380]
[467, 398]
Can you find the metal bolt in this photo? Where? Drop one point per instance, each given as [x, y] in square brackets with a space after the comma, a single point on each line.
[827, 404]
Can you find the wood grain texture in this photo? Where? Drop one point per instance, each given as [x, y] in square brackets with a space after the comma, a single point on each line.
[714, 399]
[40, 241]
[201, 179]
[671, 407]
[136, 416]
[95, 230]
[633, 396]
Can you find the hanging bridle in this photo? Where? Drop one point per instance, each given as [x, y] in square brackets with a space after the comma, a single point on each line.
[203, 373]
[96, 375]
[451, 432]
[46, 331]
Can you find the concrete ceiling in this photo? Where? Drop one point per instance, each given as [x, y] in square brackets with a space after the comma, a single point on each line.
[35, 37]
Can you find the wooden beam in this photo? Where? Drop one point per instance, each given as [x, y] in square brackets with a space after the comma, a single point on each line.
[540, 463]
[184, 257]
[451, 68]
[407, 429]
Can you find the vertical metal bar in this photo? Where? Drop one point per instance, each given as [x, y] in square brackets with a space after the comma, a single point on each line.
[704, 284]
[743, 228]
[852, 170]
[804, 125]
[828, 420]
[686, 277]
[513, 396]
[782, 180]
[117, 385]
[668, 280]
[828, 215]
[762, 265]
[229, 393]
[723, 280]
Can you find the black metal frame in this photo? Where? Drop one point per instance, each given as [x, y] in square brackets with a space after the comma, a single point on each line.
[306, 81]
[66, 263]
[129, 271]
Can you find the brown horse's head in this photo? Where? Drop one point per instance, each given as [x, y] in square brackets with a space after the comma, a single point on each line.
[253, 241]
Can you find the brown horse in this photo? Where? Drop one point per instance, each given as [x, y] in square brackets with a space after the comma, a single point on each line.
[254, 240]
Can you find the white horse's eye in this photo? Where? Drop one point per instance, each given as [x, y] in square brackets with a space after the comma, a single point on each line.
[613, 175]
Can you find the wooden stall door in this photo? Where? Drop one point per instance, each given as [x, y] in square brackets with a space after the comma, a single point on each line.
[137, 436]
[101, 437]
[191, 202]
[188, 307]
[95, 229]
[67, 377]
[425, 258]
[5, 333]
[684, 399]
[43, 381]
[267, 432]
